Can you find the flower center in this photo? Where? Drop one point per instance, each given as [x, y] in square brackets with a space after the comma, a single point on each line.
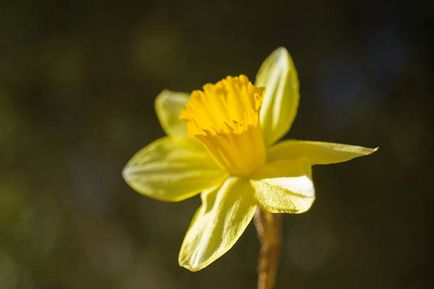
[225, 118]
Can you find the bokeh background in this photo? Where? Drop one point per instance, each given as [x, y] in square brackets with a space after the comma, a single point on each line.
[77, 86]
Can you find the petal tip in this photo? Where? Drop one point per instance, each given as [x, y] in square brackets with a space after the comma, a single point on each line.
[125, 173]
[159, 99]
[282, 50]
[189, 267]
[185, 262]
[369, 151]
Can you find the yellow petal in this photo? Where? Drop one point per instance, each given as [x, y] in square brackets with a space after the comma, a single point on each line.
[172, 170]
[217, 224]
[318, 153]
[279, 77]
[284, 186]
[168, 106]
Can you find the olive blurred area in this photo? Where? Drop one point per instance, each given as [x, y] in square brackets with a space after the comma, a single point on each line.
[78, 81]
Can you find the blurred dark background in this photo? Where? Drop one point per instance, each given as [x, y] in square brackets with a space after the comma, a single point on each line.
[77, 86]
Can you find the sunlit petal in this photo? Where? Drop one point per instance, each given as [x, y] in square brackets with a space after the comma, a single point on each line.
[168, 106]
[172, 170]
[284, 186]
[279, 77]
[318, 153]
[218, 223]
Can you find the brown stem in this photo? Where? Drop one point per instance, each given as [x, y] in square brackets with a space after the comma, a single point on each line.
[268, 226]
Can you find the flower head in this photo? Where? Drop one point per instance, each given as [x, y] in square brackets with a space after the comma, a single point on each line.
[222, 143]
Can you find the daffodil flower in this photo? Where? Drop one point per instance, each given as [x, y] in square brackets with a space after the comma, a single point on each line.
[221, 143]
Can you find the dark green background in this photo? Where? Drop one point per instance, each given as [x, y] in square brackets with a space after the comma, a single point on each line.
[77, 85]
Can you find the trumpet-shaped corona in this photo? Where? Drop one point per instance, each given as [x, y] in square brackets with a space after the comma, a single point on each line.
[225, 118]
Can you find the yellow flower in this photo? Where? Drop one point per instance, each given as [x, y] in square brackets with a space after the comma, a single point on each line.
[222, 143]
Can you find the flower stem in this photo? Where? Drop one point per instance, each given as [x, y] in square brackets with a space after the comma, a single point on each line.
[269, 230]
